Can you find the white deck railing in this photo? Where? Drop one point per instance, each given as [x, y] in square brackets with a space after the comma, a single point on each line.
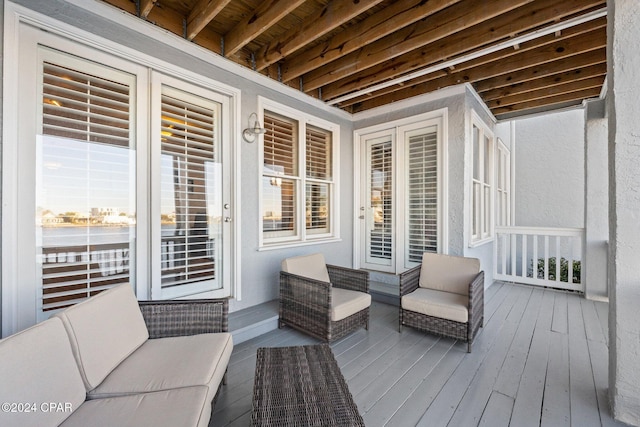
[530, 255]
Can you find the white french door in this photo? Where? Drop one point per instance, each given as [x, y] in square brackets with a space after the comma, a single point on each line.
[401, 195]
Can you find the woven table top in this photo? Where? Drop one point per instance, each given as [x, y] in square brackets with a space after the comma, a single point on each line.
[301, 386]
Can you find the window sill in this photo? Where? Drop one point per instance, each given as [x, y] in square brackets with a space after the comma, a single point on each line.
[481, 242]
[286, 245]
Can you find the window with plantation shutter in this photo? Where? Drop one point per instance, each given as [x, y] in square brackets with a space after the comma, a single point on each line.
[190, 185]
[298, 178]
[85, 182]
[381, 191]
[422, 197]
[482, 182]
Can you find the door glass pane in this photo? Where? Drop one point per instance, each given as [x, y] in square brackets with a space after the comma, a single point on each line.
[191, 192]
[380, 209]
[85, 185]
[422, 196]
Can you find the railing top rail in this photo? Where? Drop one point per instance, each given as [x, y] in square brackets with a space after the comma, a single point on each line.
[541, 231]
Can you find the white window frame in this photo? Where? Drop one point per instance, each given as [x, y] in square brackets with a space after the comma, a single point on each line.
[503, 186]
[301, 237]
[482, 213]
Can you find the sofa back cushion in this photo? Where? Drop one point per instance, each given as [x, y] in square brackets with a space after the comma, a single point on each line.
[310, 266]
[103, 331]
[448, 273]
[38, 368]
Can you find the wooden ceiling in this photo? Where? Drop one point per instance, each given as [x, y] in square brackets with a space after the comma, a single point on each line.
[522, 56]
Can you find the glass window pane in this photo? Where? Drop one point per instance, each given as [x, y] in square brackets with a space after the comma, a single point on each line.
[280, 145]
[476, 153]
[279, 207]
[317, 208]
[318, 153]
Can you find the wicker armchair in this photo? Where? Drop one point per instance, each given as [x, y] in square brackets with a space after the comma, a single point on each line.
[443, 296]
[175, 318]
[324, 301]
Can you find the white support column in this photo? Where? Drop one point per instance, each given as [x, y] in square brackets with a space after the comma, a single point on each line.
[596, 203]
[623, 97]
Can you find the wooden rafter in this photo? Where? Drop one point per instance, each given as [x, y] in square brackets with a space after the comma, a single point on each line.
[497, 56]
[519, 21]
[334, 14]
[202, 13]
[550, 101]
[398, 15]
[146, 6]
[436, 27]
[266, 15]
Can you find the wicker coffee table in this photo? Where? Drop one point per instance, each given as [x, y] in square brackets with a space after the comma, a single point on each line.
[301, 386]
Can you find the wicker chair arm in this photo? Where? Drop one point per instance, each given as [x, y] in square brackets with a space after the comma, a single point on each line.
[312, 293]
[409, 280]
[476, 297]
[348, 278]
[185, 317]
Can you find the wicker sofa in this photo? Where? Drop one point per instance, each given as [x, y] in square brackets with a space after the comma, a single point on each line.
[111, 362]
[324, 301]
[444, 295]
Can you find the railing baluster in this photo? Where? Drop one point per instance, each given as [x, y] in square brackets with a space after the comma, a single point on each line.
[524, 256]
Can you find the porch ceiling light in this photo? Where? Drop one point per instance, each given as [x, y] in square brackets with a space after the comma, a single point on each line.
[249, 134]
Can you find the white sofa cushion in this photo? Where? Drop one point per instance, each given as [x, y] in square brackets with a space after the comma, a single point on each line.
[448, 273]
[38, 367]
[310, 266]
[345, 302]
[104, 331]
[168, 363]
[179, 407]
[445, 305]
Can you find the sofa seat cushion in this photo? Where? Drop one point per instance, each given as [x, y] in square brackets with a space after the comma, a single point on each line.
[445, 305]
[345, 302]
[178, 407]
[37, 367]
[167, 363]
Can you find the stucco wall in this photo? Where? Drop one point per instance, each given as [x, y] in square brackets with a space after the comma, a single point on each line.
[549, 181]
[623, 65]
[596, 213]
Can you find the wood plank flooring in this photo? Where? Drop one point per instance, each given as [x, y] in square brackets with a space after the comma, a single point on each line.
[540, 360]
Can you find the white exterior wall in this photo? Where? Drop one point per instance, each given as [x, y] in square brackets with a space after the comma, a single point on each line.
[596, 213]
[549, 181]
[623, 93]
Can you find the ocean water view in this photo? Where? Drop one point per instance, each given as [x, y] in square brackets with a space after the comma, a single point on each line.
[73, 235]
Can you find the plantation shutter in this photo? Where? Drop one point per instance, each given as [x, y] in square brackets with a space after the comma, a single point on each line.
[190, 248]
[319, 167]
[422, 197]
[381, 200]
[280, 176]
[85, 182]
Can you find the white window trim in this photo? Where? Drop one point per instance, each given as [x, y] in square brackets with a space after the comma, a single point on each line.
[301, 238]
[16, 17]
[501, 150]
[485, 130]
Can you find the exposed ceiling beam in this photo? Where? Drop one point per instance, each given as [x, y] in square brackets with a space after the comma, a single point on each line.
[202, 13]
[334, 14]
[167, 19]
[266, 15]
[390, 19]
[526, 18]
[436, 27]
[209, 39]
[592, 58]
[146, 6]
[519, 66]
[548, 81]
[546, 91]
[482, 52]
[496, 56]
[548, 102]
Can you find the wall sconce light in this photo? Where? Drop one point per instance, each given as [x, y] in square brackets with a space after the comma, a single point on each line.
[249, 134]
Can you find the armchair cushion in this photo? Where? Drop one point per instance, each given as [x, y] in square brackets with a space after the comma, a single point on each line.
[448, 273]
[310, 266]
[344, 303]
[444, 305]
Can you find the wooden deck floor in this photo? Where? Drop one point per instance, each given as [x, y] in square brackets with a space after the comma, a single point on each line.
[541, 359]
